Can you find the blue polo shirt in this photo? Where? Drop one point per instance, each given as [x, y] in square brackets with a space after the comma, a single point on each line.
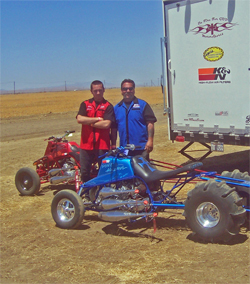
[131, 122]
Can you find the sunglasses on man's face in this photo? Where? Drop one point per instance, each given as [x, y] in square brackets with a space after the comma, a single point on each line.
[125, 89]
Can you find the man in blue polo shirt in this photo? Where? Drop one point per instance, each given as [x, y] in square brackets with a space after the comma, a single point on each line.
[134, 121]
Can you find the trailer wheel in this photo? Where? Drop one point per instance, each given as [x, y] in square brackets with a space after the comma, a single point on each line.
[243, 192]
[214, 211]
[27, 181]
[67, 209]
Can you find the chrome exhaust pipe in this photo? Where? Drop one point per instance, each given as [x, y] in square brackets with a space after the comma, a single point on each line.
[108, 204]
[59, 179]
[115, 216]
[54, 172]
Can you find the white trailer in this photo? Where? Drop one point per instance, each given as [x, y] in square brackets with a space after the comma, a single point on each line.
[206, 70]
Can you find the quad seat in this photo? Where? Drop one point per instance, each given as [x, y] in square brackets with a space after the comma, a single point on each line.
[150, 173]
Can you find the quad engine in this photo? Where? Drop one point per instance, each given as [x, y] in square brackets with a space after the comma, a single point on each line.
[124, 202]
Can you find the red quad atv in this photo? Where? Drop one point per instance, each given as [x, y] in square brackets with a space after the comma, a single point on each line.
[60, 164]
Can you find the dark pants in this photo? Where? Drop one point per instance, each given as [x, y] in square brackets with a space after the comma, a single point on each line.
[143, 153]
[87, 157]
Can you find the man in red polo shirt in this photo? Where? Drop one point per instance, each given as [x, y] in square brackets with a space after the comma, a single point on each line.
[95, 115]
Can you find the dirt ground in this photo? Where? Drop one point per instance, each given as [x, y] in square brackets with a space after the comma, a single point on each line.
[34, 250]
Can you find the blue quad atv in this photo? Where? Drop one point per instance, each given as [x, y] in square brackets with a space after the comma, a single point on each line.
[131, 188]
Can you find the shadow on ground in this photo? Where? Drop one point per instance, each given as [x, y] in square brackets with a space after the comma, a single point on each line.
[227, 162]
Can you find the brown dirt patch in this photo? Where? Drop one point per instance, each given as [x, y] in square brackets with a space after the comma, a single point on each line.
[34, 250]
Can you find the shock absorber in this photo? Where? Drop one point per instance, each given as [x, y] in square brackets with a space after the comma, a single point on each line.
[77, 179]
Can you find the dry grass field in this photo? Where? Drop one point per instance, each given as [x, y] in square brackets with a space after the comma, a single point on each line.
[34, 250]
[58, 102]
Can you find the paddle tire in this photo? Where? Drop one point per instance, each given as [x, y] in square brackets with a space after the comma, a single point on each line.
[67, 209]
[243, 192]
[214, 211]
[237, 175]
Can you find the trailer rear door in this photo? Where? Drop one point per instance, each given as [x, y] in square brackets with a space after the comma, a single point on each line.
[208, 69]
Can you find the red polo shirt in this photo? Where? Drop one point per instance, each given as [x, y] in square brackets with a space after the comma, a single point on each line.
[91, 137]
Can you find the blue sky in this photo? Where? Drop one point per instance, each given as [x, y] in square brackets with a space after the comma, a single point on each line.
[45, 43]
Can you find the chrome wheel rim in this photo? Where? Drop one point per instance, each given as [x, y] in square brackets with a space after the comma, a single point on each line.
[208, 214]
[26, 183]
[65, 210]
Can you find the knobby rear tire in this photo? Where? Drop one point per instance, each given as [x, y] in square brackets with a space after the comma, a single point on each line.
[243, 192]
[214, 211]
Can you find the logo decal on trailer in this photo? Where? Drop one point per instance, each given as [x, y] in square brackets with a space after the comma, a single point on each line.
[214, 75]
[213, 27]
[221, 113]
[214, 53]
[193, 117]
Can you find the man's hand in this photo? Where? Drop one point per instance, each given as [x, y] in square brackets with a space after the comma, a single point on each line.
[149, 146]
[102, 124]
[88, 120]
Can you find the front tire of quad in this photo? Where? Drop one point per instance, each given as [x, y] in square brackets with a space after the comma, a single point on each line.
[67, 209]
[214, 211]
[27, 181]
[243, 192]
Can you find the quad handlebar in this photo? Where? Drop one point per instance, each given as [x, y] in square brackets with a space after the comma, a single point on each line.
[58, 139]
[121, 150]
